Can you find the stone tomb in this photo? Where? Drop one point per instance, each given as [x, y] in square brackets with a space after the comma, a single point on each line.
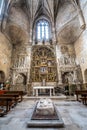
[45, 114]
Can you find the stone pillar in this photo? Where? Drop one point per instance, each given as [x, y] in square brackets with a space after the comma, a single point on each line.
[60, 77]
[29, 91]
[19, 62]
[31, 34]
[53, 92]
[33, 92]
[53, 34]
[50, 91]
[57, 63]
[28, 64]
[36, 92]
[81, 19]
[75, 76]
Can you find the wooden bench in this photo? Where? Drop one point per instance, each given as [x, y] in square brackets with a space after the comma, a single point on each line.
[83, 96]
[14, 95]
[79, 92]
[8, 99]
[7, 102]
[14, 92]
[84, 100]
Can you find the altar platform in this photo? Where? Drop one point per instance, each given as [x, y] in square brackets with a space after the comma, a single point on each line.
[60, 97]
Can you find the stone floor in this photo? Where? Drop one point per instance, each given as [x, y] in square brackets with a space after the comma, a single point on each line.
[73, 113]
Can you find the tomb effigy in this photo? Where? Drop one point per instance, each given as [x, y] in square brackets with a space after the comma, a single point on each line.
[45, 114]
[45, 107]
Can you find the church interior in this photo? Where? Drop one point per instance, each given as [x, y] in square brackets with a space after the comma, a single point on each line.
[43, 53]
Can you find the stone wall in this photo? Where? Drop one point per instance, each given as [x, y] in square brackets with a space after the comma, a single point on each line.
[66, 29]
[5, 55]
[65, 13]
[17, 16]
[81, 43]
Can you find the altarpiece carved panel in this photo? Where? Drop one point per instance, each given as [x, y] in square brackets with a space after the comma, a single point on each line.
[43, 65]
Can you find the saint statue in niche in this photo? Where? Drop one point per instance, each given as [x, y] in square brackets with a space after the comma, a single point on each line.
[70, 77]
[64, 49]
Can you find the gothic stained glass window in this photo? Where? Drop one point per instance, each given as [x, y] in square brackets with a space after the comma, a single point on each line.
[42, 30]
[1, 4]
[2, 8]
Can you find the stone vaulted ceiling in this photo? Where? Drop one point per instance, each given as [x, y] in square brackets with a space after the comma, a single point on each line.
[41, 7]
[61, 13]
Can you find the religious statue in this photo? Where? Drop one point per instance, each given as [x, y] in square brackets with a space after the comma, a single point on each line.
[43, 82]
[70, 77]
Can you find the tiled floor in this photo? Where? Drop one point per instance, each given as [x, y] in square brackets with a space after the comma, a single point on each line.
[73, 113]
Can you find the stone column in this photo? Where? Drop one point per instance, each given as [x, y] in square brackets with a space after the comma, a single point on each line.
[53, 92]
[60, 77]
[31, 34]
[19, 62]
[36, 92]
[75, 76]
[28, 64]
[50, 91]
[33, 91]
[53, 33]
[81, 19]
[57, 63]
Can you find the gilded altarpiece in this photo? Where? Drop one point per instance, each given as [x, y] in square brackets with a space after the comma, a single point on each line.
[43, 65]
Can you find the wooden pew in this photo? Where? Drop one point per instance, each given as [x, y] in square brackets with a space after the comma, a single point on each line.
[14, 92]
[14, 95]
[7, 102]
[79, 92]
[83, 95]
[8, 99]
[84, 98]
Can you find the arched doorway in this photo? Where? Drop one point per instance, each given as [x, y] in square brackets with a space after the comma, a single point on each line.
[2, 76]
[43, 68]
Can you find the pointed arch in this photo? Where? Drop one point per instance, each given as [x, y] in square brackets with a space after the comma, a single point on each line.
[42, 30]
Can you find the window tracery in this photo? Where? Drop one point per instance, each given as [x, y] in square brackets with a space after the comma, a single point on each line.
[42, 30]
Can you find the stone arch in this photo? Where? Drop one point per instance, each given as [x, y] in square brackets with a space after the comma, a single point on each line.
[20, 82]
[16, 33]
[45, 18]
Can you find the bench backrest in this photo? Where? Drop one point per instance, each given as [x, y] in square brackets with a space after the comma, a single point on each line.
[20, 92]
[78, 92]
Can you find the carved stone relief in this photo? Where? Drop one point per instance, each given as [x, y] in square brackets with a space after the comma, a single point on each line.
[66, 58]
